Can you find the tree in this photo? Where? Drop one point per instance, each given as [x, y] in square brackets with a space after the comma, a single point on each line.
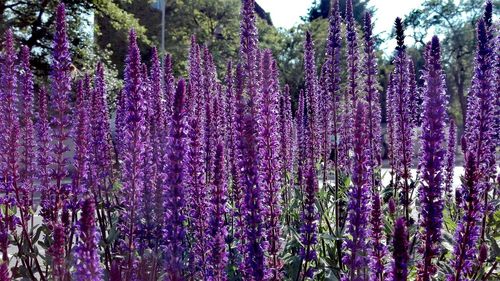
[320, 9]
[456, 23]
[33, 22]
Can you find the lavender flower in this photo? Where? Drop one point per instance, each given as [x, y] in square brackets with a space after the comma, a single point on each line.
[12, 193]
[43, 157]
[311, 92]
[56, 251]
[415, 99]
[86, 254]
[238, 211]
[403, 129]
[210, 129]
[174, 190]
[309, 216]
[450, 158]
[217, 260]
[378, 251]
[301, 139]
[479, 152]
[431, 163]
[467, 231]
[352, 53]
[286, 148]
[27, 132]
[372, 96]
[229, 126]
[81, 137]
[333, 79]
[480, 122]
[400, 251]
[269, 168]
[197, 181]
[100, 138]
[168, 86]
[146, 227]
[61, 88]
[132, 150]
[356, 245]
[158, 134]
[254, 248]
[390, 116]
[194, 72]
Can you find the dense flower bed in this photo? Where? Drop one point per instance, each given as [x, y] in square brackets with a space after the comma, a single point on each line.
[208, 179]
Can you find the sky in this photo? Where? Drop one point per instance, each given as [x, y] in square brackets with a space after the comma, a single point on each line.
[287, 13]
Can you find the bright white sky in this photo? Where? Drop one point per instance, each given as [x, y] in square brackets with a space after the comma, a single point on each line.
[287, 13]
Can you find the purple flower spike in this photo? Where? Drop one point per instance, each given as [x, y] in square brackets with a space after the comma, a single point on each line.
[269, 168]
[309, 216]
[301, 139]
[175, 185]
[56, 251]
[132, 151]
[86, 254]
[217, 260]
[467, 232]
[81, 137]
[169, 86]
[100, 142]
[311, 93]
[352, 53]
[333, 51]
[158, 135]
[60, 123]
[400, 252]
[432, 160]
[479, 153]
[356, 256]
[9, 140]
[27, 132]
[197, 182]
[372, 95]
[379, 250]
[401, 118]
[450, 158]
[43, 157]
[253, 265]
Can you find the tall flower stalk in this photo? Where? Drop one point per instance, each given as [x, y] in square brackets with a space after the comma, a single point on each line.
[197, 182]
[333, 53]
[133, 152]
[400, 254]
[253, 265]
[13, 194]
[402, 125]
[311, 93]
[174, 189]
[27, 130]
[372, 99]
[432, 160]
[87, 262]
[60, 123]
[478, 147]
[218, 260]
[356, 245]
[269, 163]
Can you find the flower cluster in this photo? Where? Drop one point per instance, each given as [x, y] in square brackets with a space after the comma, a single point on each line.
[201, 178]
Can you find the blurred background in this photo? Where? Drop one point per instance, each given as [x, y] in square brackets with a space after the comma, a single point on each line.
[98, 32]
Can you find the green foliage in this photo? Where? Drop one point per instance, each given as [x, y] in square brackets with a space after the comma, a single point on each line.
[455, 23]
